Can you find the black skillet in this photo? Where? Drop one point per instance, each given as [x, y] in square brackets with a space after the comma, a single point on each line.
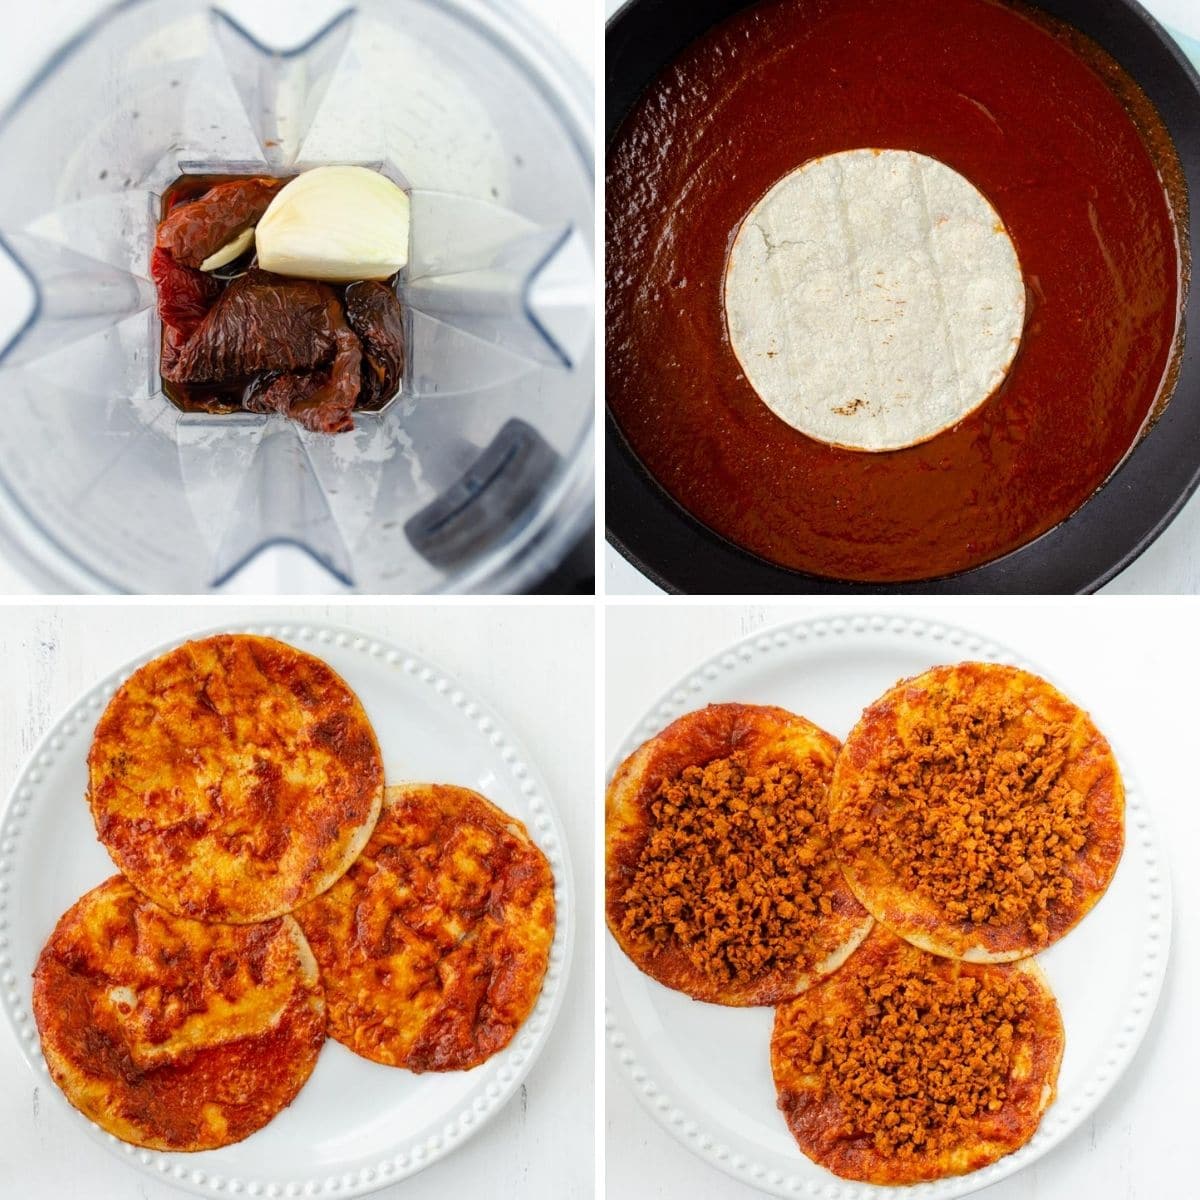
[1104, 536]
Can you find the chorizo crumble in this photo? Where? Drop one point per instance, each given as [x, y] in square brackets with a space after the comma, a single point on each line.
[971, 810]
[918, 1057]
[734, 869]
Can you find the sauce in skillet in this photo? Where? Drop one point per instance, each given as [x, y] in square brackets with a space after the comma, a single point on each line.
[1060, 140]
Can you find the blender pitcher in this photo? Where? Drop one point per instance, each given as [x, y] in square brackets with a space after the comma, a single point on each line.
[478, 476]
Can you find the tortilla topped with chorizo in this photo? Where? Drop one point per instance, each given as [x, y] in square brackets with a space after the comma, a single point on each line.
[721, 878]
[977, 811]
[905, 1066]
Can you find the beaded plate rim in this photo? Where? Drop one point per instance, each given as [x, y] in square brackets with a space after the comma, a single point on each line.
[690, 1127]
[71, 732]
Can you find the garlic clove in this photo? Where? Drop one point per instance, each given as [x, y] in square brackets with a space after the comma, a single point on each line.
[230, 251]
[338, 224]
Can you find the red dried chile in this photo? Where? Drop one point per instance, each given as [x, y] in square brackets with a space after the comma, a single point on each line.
[197, 229]
[263, 342]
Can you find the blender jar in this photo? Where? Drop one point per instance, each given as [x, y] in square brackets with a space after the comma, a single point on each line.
[477, 477]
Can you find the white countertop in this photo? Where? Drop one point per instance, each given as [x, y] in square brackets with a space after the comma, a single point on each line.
[539, 1147]
[1134, 675]
[1170, 566]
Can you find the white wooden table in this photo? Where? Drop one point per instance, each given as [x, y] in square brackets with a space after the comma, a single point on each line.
[1171, 566]
[534, 664]
[1134, 671]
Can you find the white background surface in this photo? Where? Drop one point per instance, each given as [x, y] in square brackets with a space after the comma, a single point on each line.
[534, 666]
[1171, 565]
[1131, 665]
[44, 25]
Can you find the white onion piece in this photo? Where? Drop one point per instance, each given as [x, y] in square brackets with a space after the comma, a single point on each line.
[338, 224]
[230, 251]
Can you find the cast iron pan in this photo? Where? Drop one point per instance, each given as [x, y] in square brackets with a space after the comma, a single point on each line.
[1136, 504]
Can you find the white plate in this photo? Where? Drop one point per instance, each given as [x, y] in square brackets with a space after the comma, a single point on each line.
[356, 1126]
[704, 1071]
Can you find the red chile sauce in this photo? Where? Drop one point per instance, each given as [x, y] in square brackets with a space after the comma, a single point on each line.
[1046, 125]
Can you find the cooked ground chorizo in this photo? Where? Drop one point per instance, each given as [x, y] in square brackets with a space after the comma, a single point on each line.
[970, 809]
[906, 1066]
[921, 1054]
[737, 868]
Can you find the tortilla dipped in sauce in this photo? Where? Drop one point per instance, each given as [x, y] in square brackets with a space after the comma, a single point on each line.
[873, 298]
